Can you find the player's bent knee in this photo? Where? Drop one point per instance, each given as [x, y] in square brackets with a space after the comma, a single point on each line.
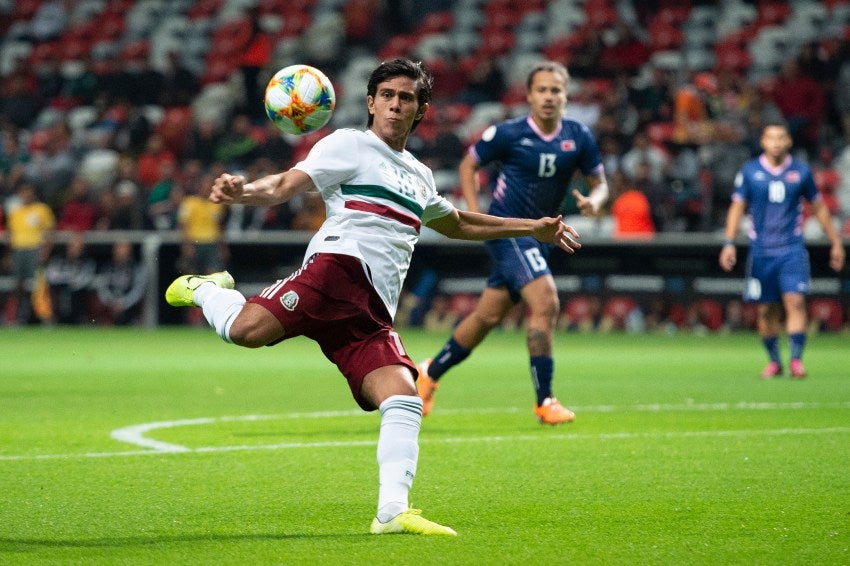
[255, 327]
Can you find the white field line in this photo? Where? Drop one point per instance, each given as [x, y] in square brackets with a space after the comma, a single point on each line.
[135, 434]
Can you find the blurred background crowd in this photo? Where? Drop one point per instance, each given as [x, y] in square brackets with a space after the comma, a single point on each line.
[117, 114]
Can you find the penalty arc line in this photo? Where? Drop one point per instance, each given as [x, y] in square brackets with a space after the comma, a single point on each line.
[135, 434]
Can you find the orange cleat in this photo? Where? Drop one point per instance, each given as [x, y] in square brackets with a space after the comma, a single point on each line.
[426, 387]
[553, 413]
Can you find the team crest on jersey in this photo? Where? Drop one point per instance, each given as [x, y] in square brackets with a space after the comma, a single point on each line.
[792, 176]
[289, 300]
[568, 145]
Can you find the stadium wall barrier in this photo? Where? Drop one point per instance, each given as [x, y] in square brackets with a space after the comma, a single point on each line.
[677, 267]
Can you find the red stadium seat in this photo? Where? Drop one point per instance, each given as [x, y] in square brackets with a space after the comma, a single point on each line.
[616, 310]
[463, 303]
[436, 22]
[826, 313]
[204, 9]
[710, 313]
[497, 41]
[24, 9]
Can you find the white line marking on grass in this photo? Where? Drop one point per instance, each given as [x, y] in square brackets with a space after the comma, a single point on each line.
[135, 434]
[448, 440]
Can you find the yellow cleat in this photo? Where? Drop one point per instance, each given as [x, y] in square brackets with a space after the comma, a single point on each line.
[409, 522]
[426, 387]
[553, 413]
[181, 292]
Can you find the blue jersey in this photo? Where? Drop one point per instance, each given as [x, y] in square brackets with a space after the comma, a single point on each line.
[774, 196]
[535, 168]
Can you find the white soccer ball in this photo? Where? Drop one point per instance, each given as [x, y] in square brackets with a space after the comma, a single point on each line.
[300, 99]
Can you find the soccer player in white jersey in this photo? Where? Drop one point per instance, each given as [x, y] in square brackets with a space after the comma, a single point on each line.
[345, 294]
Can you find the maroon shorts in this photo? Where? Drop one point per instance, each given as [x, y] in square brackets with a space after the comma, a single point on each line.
[331, 301]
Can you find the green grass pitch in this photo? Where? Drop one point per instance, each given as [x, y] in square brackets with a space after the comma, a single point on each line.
[129, 446]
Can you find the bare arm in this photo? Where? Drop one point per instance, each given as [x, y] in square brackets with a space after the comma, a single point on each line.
[266, 191]
[836, 250]
[464, 225]
[591, 204]
[470, 185]
[729, 255]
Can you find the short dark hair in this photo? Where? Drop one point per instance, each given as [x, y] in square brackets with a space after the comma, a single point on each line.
[402, 68]
[775, 123]
[550, 66]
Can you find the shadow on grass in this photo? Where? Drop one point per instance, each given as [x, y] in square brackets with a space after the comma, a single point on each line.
[29, 545]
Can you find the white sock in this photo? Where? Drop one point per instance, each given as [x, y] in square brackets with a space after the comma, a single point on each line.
[220, 307]
[398, 452]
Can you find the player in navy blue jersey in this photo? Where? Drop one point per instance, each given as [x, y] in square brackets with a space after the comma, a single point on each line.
[772, 188]
[537, 157]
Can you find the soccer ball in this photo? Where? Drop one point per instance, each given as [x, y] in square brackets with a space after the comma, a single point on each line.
[299, 99]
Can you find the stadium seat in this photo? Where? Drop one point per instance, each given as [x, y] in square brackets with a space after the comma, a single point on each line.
[710, 313]
[826, 314]
[463, 303]
[615, 312]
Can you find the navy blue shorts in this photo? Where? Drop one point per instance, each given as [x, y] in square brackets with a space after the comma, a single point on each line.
[516, 263]
[769, 277]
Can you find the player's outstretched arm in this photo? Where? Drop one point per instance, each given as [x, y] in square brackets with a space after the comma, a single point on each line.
[465, 225]
[266, 191]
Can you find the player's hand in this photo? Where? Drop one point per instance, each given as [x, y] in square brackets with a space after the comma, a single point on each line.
[227, 189]
[554, 231]
[836, 256]
[728, 257]
[585, 205]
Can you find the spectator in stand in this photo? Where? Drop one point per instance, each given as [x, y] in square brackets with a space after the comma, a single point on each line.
[164, 198]
[120, 287]
[70, 277]
[445, 150]
[52, 165]
[150, 162]
[203, 139]
[802, 102]
[682, 176]
[631, 211]
[651, 96]
[13, 158]
[842, 97]
[627, 53]
[256, 54]
[584, 61]
[79, 212]
[643, 151]
[179, 84]
[612, 154]
[19, 102]
[201, 224]
[691, 115]
[237, 147]
[121, 208]
[30, 225]
[485, 83]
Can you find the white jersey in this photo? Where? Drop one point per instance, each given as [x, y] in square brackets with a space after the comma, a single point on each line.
[376, 200]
